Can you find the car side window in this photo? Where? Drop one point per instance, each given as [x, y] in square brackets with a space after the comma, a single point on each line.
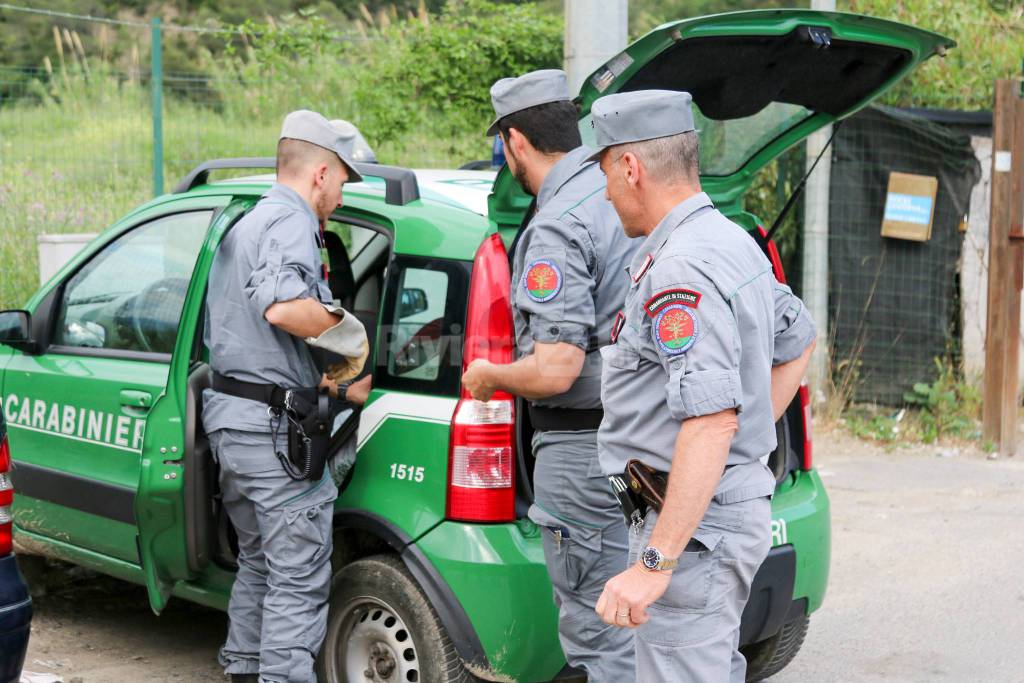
[418, 346]
[422, 324]
[130, 295]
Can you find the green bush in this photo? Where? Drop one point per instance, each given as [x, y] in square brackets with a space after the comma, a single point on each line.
[76, 141]
[990, 45]
[417, 84]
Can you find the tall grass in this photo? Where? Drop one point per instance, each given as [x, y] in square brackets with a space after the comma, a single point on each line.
[76, 137]
[76, 162]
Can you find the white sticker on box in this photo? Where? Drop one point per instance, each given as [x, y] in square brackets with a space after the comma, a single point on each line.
[1004, 161]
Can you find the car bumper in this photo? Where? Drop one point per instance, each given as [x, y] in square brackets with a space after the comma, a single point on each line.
[497, 573]
[771, 596]
[793, 578]
[15, 619]
[801, 517]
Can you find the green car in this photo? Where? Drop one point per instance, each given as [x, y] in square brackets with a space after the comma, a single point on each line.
[439, 575]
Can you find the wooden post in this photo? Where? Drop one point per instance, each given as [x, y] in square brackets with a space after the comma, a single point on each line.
[1005, 268]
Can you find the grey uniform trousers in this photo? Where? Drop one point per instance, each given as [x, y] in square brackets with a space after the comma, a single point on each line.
[278, 607]
[693, 632]
[585, 544]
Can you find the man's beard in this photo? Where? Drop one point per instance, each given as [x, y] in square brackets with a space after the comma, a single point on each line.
[519, 174]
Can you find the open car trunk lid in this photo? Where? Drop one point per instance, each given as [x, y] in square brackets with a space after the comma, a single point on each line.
[762, 81]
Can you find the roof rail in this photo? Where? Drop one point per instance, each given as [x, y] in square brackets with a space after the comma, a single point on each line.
[400, 186]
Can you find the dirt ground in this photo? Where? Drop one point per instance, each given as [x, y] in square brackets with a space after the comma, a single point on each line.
[927, 557]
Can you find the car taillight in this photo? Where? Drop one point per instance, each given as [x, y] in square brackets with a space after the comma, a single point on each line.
[481, 457]
[805, 405]
[6, 498]
[773, 255]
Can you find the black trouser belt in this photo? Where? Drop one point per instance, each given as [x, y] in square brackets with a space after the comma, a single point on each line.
[565, 419]
[271, 394]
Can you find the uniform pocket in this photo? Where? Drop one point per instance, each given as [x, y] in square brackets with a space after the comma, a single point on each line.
[727, 517]
[690, 588]
[307, 524]
[241, 452]
[571, 554]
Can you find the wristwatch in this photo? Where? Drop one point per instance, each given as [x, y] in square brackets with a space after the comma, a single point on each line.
[654, 561]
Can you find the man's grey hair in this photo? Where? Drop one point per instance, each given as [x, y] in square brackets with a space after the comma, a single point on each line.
[671, 159]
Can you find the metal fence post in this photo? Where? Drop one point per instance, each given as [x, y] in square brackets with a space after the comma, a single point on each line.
[157, 88]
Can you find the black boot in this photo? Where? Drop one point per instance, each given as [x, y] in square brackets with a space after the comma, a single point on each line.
[245, 678]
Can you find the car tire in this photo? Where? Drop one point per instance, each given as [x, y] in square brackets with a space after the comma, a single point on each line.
[772, 655]
[380, 622]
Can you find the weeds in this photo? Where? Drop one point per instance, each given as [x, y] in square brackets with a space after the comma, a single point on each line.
[946, 409]
[948, 406]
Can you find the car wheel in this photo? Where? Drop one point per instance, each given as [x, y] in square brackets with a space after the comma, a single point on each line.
[771, 656]
[381, 629]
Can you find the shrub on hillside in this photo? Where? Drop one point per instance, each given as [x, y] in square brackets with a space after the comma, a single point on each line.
[420, 77]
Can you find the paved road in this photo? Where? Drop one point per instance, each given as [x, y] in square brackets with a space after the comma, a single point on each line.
[927, 585]
[927, 579]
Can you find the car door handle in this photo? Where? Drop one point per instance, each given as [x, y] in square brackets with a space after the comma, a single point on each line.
[132, 398]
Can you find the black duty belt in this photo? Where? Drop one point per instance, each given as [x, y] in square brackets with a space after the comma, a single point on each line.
[565, 419]
[308, 415]
[634, 509]
[271, 394]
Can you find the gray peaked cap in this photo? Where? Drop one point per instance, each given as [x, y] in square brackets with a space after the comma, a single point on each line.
[640, 115]
[510, 95]
[311, 127]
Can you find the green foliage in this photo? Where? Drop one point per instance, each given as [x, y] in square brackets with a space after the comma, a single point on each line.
[450, 64]
[883, 427]
[76, 138]
[645, 15]
[421, 81]
[990, 45]
[949, 406]
[766, 197]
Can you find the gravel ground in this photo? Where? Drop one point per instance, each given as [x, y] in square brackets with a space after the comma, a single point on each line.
[927, 558]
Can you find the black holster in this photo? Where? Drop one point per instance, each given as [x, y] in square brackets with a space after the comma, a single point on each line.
[309, 436]
[310, 415]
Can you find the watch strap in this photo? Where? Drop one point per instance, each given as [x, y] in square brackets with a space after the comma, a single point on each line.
[667, 565]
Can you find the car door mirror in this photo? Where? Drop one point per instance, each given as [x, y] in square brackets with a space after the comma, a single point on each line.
[15, 329]
[414, 300]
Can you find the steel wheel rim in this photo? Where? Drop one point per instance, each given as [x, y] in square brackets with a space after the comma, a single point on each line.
[371, 643]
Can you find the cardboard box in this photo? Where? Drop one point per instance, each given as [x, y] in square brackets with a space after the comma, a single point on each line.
[909, 206]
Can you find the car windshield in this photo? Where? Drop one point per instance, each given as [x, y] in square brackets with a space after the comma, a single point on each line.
[726, 145]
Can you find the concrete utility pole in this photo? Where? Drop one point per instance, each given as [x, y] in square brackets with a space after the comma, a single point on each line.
[595, 31]
[815, 247]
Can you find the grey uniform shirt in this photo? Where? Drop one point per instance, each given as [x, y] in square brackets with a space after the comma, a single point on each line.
[704, 322]
[567, 272]
[271, 255]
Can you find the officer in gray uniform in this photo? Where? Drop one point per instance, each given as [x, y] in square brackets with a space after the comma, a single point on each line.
[707, 354]
[567, 285]
[266, 294]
